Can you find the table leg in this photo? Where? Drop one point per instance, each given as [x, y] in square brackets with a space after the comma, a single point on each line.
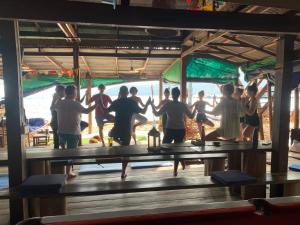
[254, 164]
[235, 163]
[211, 165]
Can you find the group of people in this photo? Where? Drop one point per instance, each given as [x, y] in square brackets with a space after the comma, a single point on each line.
[238, 113]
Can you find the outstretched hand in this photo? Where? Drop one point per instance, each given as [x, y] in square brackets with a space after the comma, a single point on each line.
[148, 101]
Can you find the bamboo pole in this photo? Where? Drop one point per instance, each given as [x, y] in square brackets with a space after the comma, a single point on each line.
[296, 110]
[270, 100]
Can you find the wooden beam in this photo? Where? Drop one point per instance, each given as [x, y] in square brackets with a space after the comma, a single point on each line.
[202, 43]
[183, 67]
[15, 122]
[296, 115]
[86, 63]
[287, 4]
[281, 117]
[232, 53]
[270, 101]
[250, 45]
[101, 14]
[100, 54]
[54, 62]
[160, 89]
[76, 68]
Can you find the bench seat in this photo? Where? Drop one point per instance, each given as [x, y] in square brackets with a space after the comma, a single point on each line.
[163, 185]
[141, 159]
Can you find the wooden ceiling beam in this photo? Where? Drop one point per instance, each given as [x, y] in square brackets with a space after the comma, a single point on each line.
[287, 4]
[86, 63]
[54, 62]
[94, 13]
[232, 53]
[98, 54]
[250, 45]
[203, 42]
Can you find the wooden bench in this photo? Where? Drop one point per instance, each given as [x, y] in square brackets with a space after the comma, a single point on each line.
[57, 166]
[90, 188]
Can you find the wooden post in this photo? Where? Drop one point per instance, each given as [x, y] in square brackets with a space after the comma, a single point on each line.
[161, 89]
[89, 93]
[183, 78]
[296, 114]
[76, 68]
[281, 122]
[270, 101]
[15, 122]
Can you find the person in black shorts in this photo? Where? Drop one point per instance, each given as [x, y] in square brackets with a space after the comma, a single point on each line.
[201, 117]
[124, 109]
[251, 116]
[175, 127]
[160, 105]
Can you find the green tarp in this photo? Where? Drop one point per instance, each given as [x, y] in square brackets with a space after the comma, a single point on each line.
[40, 82]
[204, 70]
[267, 63]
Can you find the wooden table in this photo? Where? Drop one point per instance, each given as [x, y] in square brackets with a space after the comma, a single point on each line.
[136, 151]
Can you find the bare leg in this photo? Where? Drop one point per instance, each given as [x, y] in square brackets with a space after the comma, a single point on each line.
[124, 166]
[133, 133]
[209, 123]
[213, 136]
[248, 133]
[176, 163]
[200, 128]
[101, 134]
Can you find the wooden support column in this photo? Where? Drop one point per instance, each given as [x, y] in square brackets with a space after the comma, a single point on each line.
[270, 105]
[161, 89]
[76, 68]
[89, 95]
[296, 115]
[183, 78]
[15, 122]
[281, 119]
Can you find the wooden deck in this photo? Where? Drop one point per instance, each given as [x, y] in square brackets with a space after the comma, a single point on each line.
[133, 201]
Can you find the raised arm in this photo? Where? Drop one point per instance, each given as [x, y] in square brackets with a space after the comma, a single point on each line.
[216, 111]
[89, 109]
[252, 108]
[188, 113]
[141, 102]
[82, 99]
[211, 105]
[161, 111]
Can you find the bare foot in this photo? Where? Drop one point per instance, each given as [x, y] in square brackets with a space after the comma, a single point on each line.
[71, 175]
[123, 176]
[175, 173]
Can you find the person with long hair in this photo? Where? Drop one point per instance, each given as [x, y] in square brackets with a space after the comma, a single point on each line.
[251, 115]
[161, 104]
[141, 120]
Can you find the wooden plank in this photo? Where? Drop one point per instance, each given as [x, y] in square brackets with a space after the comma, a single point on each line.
[101, 14]
[183, 72]
[270, 104]
[203, 43]
[103, 54]
[161, 185]
[288, 4]
[157, 210]
[134, 150]
[15, 119]
[281, 119]
[296, 115]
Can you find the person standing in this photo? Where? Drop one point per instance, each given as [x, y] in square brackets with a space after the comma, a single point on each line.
[124, 109]
[175, 127]
[230, 110]
[201, 117]
[160, 105]
[140, 118]
[58, 95]
[251, 116]
[68, 116]
[101, 116]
